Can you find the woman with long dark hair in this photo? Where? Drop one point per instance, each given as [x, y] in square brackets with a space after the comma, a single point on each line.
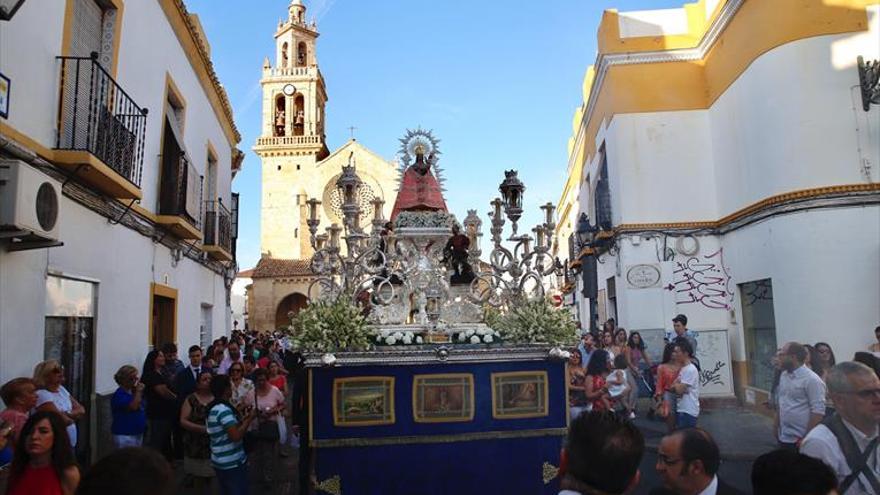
[161, 404]
[667, 372]
[577, 400]
[44, 463]
[597, 370]
[824, 359]
[196, 444]
[639, 364]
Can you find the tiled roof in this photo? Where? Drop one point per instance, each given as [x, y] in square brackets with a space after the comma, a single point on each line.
[270, 267]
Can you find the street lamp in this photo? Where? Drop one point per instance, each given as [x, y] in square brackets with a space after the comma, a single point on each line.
[8, 8]
[584, 231]
[589, 271]
[512, 190]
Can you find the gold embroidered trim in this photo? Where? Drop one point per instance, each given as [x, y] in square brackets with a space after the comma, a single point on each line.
[549, 471]
[333, 485]
[413, 440]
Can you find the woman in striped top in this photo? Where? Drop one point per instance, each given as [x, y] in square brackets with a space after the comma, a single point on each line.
[226, 428]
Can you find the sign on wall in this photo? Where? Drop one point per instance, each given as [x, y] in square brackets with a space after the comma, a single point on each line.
[643, 276]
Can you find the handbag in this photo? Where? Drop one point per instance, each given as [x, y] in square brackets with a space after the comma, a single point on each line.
[266, 431]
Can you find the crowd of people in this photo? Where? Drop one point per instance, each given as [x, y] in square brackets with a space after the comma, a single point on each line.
[611, 369]
[238, 400]
[826, 418]
[240, 397]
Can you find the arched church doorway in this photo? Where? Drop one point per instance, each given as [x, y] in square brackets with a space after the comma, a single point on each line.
[292, 303]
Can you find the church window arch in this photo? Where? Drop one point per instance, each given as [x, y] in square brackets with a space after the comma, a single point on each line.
[280, 121]
[302, 53]
[285, 55]
[299, 121]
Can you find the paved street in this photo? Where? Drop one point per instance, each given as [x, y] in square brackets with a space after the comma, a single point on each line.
[742, 436]
[283, 483]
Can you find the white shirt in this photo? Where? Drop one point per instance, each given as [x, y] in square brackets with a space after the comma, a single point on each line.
[227, 361]
[62, 402]
[689, 402]
[822, 444]
[712, 489]
[800, 393]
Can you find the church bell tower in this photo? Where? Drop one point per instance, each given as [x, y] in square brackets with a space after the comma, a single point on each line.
[292, 139]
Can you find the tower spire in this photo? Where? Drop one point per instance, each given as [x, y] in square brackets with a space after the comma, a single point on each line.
[297, 12]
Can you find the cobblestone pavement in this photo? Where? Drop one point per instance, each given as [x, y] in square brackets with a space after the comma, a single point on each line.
[282, 483]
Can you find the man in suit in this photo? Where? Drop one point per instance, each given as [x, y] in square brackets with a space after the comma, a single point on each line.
[185, 380]
[687, 462]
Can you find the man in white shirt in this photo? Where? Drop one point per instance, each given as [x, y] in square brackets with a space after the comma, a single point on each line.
[800, 397]
[686, 386]
[855, 391]
[233, 355]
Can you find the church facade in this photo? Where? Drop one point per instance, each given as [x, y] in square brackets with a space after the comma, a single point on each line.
[297, 166]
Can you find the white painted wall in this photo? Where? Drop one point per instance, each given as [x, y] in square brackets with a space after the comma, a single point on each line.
[122, 261]
[652, 23]
[660, 167]
[825, 270]
[767, 134]
[773, 134]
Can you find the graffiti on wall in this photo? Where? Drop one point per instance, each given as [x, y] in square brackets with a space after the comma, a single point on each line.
[712, 376]
[703, 280]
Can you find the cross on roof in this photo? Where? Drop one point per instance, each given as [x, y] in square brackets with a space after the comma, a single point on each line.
[351, 130]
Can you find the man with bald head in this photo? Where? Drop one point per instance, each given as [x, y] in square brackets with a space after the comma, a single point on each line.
[800, 397]
[848, 441]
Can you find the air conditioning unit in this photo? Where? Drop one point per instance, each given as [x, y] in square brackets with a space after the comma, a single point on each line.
[30, 203]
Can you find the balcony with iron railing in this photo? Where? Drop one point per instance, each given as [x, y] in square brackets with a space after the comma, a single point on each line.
[235, 204]
[101, 130]
[180, 198]
[218, 240]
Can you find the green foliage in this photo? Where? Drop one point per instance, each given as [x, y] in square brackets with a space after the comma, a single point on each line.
[328, 326]
[533, 322]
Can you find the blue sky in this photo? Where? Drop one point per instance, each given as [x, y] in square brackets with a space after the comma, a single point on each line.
[496, 81]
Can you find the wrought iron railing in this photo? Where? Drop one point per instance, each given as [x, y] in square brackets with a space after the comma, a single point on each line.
[218, 226]
[96, 115]
[181, 192]
[235, 200]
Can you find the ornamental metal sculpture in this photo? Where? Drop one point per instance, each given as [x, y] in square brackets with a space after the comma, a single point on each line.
[399, 273]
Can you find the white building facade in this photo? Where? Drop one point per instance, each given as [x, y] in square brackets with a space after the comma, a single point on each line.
[116, 104]
[727, 149]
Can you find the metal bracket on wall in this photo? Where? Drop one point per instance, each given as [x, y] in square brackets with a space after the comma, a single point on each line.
[127, 209]
[869, 80]
[72, 175]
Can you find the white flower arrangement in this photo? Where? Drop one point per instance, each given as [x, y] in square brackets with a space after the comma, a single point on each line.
[399, 338]
[475, 339]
